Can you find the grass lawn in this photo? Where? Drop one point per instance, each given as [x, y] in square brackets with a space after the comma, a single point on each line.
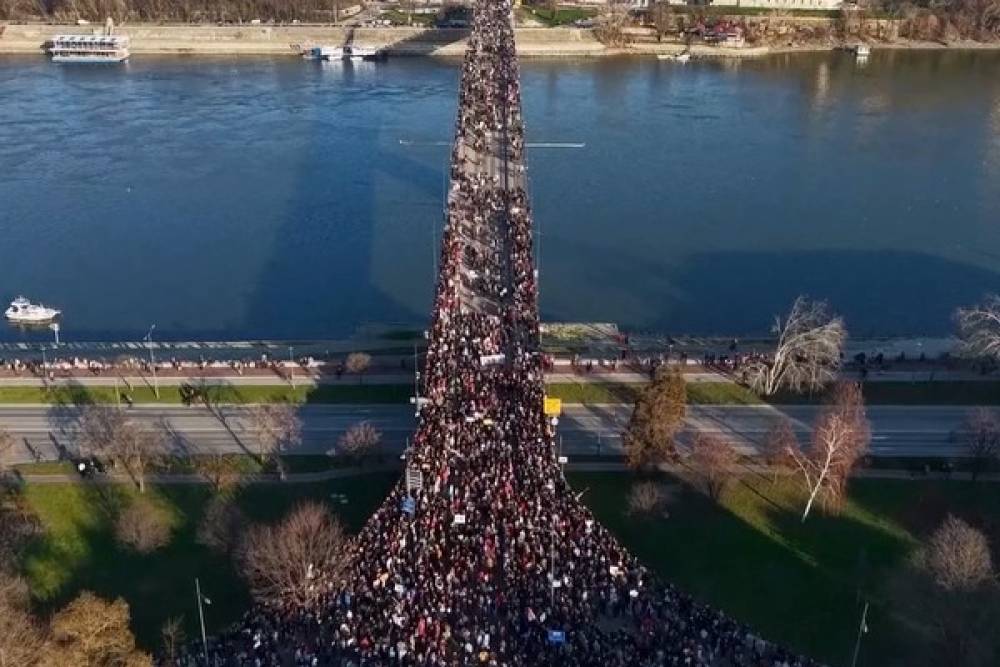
[341, 393]
[699, 393]
[562, 15]
[399, 17]
[796, 583]
[77, 550]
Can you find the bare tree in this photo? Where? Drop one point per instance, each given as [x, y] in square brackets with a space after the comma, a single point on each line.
[92, 631]
[950, 584]
[979, 329]
[610, 28]
[143, 527]
[278, 428]
[807, 354]
[657, 417]
[221, 527]
[222, 471]
[982, 440]
[958, 556]
[713, 460]
[840, 439]
[172, 636]
[107, 431]
[98, 426]
[358, 441]
[358, 363]
[6, 453]
[648, 499]
[662, 18]
[779, 441]
[295, 560]
[21, 636]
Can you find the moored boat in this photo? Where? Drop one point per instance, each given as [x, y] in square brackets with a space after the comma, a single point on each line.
[682, 57]
[343, 53]
[89, 48]
[22, 310]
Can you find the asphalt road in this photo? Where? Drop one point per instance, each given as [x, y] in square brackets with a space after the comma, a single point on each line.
[48, 432]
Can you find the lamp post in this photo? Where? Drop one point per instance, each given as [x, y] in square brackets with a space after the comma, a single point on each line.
[862, 629]
[152, 361]
[201, 617]
[291, 367]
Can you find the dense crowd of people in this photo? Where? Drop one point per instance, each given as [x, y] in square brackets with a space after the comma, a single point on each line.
[490, 559]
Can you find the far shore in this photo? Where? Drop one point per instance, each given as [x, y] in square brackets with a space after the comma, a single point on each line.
[254, 40]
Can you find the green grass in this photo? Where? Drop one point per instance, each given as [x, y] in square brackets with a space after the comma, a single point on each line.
[797, 584]
[235, 394]
[699, 393]
[562, 16]
[77, 550]
[750, 556]
[958, 392]
[399, 17]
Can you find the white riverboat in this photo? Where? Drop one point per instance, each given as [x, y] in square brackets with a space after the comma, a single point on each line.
[682, 57]
[343, 53]
[89, 48]
[23, 311]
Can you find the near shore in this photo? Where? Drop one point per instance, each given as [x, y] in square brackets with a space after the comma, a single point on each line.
[398, 41]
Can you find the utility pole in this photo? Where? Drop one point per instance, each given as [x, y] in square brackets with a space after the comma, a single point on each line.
[862, 629]
[416, 376]
[201, 617]
[152, 361]
[552, 557]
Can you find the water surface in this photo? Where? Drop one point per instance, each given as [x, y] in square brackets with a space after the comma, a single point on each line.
[255, 197]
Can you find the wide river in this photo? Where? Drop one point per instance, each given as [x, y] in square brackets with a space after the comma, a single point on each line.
[248, 198]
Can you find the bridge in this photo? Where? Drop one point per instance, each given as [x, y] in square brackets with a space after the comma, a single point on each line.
[482, 554]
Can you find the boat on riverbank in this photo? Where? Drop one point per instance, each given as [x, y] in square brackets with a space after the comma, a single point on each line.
[676, 57]
[89, 48]
[23, 311]
[343, 53]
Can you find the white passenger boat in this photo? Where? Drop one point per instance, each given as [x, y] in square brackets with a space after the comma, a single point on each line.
[676, 57]
[22, 310]
[862, 50]
[89, 48]
[343, 53]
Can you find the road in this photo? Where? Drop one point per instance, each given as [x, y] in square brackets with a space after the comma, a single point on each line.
[48, 432]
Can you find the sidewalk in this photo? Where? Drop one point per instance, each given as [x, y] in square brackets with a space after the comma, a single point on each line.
[562, 374]
[612, 465]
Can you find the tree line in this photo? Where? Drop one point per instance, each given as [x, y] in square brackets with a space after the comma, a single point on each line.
[186, 11]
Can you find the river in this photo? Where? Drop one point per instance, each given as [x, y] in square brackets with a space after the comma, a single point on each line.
[225, 198]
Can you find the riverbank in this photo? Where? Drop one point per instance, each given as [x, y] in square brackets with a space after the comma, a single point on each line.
[402, 41]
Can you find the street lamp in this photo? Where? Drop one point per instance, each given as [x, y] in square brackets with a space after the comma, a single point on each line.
[291, 367]
[201, 616]
[152, 361]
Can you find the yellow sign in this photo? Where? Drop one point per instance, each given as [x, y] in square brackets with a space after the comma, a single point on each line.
[553, 407]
